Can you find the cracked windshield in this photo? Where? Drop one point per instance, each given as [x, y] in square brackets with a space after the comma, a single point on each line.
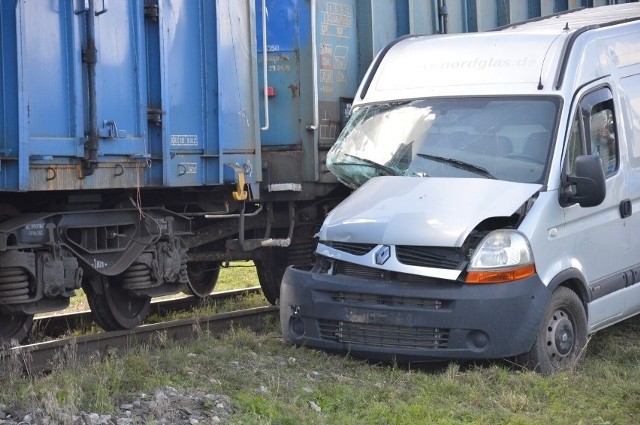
[495, 138]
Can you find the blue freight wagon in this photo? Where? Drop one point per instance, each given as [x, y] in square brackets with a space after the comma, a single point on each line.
[145, 142]
[122, 123]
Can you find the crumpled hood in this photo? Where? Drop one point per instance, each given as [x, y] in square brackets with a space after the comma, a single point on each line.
[422, 211]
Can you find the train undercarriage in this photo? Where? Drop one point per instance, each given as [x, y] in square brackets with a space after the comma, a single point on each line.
[125, 254]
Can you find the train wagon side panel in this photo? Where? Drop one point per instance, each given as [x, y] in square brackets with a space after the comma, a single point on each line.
[128, 95]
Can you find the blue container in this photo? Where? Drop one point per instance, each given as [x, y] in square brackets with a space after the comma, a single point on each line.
[177, 100]
[175, 94]
[316, 54]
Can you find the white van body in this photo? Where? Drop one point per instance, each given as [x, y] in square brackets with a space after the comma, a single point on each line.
[480, 227]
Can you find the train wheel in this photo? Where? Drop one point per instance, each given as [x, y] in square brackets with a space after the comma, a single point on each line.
[270, 269]
[202, 278]
[115, 308]
[14, 327]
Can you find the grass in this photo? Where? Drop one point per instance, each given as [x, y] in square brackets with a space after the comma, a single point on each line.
[271, 382]
[237, 275]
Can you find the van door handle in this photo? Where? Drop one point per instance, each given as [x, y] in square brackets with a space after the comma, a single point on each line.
[625, 208]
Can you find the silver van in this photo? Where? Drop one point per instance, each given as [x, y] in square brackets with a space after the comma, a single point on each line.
[497, 210]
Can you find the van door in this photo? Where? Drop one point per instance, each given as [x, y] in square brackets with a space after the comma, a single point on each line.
[598, 237]
[630, 110]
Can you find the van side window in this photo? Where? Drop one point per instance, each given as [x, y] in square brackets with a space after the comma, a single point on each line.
[602, 136]
[630, 86]
[593, 132]
[576, 147]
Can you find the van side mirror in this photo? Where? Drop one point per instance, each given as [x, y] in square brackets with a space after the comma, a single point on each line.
[588, 178]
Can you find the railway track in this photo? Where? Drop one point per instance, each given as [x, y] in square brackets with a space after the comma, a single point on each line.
[42, 357]
[57, 325]
[39, 356]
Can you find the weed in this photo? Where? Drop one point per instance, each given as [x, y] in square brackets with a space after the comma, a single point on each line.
[271, 382]
[236, 275]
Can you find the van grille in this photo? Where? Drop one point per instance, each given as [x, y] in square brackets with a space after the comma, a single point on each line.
[421, 256]
[426, 256]
[351, 248]
[371, 273]
[356, 270]
[383, 336]
[388, 300]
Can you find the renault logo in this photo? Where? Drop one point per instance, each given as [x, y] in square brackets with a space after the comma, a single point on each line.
[383, 254]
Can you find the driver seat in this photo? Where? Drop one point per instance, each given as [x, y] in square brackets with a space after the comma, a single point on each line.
[537, 145]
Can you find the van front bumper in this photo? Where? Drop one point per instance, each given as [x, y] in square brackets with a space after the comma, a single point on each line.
[408, 321]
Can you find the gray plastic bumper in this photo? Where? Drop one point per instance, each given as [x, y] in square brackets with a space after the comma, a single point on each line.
[411, 321]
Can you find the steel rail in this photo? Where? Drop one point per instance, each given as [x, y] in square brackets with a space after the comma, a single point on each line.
[43, 357]
[55, 325]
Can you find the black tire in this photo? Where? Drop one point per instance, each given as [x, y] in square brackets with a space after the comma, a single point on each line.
[562, 336]
[270, 269]
[202, 278]
[14, 327]
[113, 307]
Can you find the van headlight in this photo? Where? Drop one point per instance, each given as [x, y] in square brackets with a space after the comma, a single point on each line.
[502, 256]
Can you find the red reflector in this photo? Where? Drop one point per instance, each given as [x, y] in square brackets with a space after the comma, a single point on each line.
[271, 91]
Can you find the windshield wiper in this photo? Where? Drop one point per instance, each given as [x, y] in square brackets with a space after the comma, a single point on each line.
[459, 164]
[388, 171]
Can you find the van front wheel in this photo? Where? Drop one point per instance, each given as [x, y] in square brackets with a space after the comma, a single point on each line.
[562, 337]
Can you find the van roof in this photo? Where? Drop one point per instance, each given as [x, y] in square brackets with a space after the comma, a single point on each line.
[578, 18]
[532, 57]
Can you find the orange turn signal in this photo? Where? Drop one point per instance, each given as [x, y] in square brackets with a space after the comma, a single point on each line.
[501, 276]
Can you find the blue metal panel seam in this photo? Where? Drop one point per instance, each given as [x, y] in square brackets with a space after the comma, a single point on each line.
[23, 148]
